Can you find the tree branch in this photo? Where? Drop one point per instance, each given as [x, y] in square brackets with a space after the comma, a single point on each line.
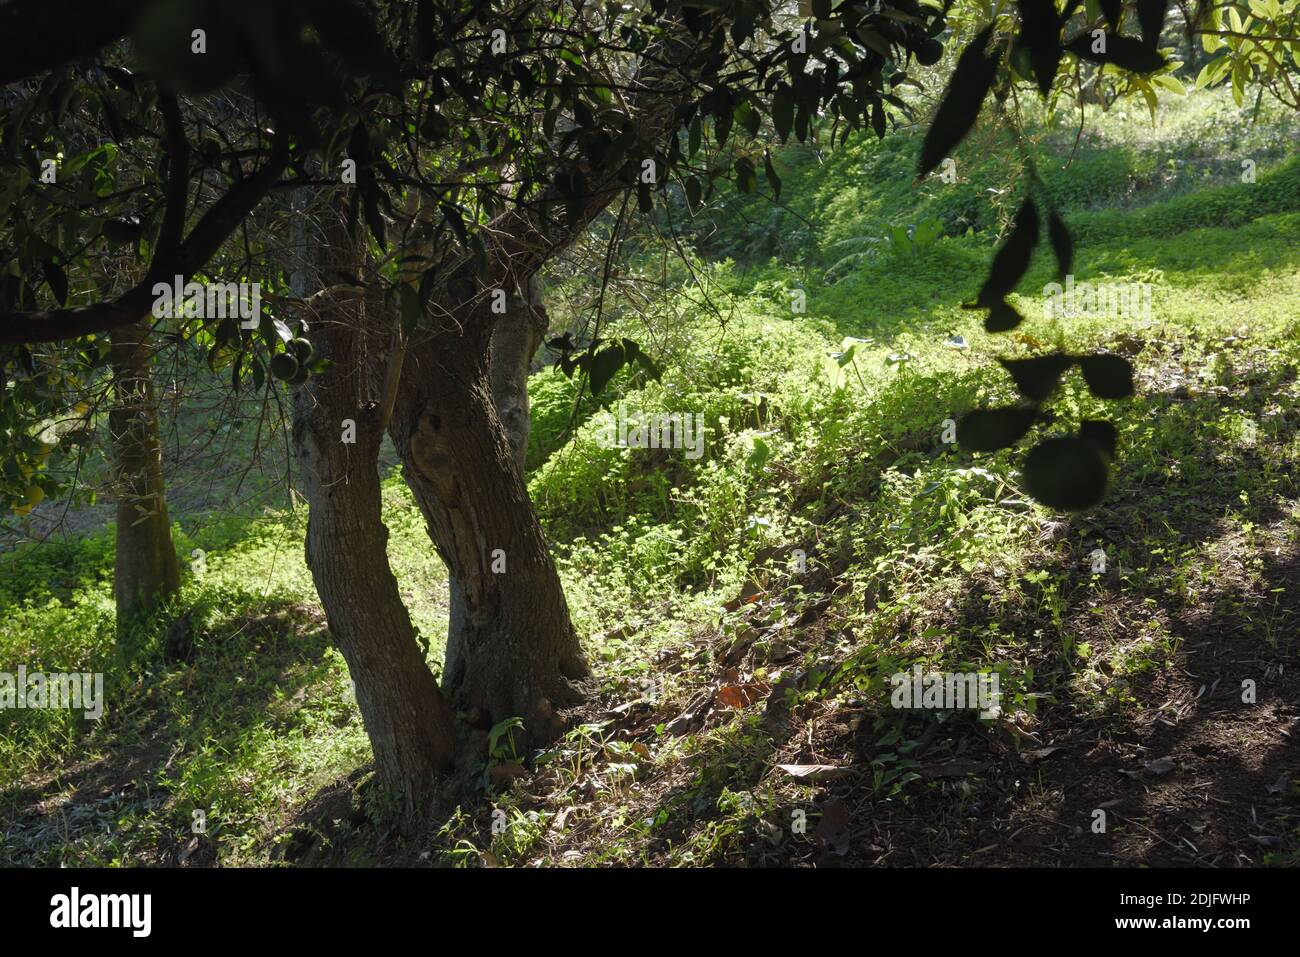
[221, 219]
[178, 175]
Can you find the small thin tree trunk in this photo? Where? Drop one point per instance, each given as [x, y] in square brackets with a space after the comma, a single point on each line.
[406, 717]
[145, 569]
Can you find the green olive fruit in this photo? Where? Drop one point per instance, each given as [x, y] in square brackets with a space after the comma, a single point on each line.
[284, 366]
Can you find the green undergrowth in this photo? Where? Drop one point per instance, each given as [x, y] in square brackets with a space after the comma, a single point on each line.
[826, 363]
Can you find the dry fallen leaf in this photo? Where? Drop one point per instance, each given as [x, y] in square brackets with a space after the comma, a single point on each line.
[812, 772]
[742, 695]
[1160, 765]
[562, 818]
[833, 829]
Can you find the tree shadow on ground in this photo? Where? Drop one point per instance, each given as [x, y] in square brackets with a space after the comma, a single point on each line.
[1148, 727]
[249, 677]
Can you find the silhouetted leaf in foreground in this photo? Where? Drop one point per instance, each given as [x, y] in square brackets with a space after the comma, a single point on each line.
[1011, 261]
[1037, 377]
[604, 364]
[1109, 377]
[1151, 17]
[1101, 434]
[1111, 10]
[1040, 35]
[1062, 244]
[987, 430]
[1125, 52]
[1002, 317]
[57, 280]
[1066, 473]
[961, 102]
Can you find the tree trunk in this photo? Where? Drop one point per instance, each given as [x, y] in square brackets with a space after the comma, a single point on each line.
[406, 717]
[513, 650]
[145, 569]
[515, 340]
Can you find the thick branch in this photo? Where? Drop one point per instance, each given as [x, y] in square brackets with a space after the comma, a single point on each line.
[216, 226]
[521, 240]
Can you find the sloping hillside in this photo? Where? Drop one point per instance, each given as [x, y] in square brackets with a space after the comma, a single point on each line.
[745, 610]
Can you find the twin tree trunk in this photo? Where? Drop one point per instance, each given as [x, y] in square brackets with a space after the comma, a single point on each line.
[145, 567]
[515, 340]
[514, 649]
[459, 421]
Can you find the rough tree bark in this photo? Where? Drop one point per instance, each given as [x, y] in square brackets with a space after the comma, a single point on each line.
[406, 717]
[145, 569]
[514, 651]
[515, 340]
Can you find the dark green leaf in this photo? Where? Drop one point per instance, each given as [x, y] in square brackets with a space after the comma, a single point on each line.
[348, 30]
[1011, 261]
[1002, 317]
[769, 171]
[987, 430]
[164, 41]
[878, 119]
[374, 219]
[1151, 17]
[602, 367]
[1062, 244]
[722, 126]
[1109, 377]
[1111, 9]
[1125, 52]
[57, 280]
[1037, 377]
[746, 176]
[120, 232]
[1066, 473]
[749, 118]
[783, 111]
[425, 24]
[1100, 433]
[961, 102]
[693, 193]
[435, 126]
[1040, 35]
[801, 119]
